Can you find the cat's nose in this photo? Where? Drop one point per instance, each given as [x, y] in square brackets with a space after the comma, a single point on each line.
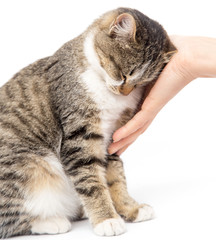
[125, 89]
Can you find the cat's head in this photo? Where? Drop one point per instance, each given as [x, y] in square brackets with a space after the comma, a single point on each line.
[132, 49]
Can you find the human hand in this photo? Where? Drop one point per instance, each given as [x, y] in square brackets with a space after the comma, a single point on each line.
[196, 57]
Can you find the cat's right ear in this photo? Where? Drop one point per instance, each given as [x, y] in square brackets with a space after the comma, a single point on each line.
[123, 27]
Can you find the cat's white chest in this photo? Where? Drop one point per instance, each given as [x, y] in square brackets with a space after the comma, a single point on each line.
[111, 106]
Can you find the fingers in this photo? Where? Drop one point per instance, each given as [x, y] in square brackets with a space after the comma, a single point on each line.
[123, 149]
[123, 144]
[120, 151]
[130, 127]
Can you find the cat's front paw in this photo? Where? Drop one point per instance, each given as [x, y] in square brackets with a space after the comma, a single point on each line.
[145, 212]
[110, 227]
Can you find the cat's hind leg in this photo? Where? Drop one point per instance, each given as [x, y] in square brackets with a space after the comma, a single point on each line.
[14, 220]
[125, 205]
[36, 196]
[50, 197]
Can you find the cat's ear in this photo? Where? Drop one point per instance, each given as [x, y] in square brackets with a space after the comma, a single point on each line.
[123, 27]
[168, 56]
[171, 51]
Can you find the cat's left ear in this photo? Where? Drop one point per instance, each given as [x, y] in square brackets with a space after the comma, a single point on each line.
[123, 27]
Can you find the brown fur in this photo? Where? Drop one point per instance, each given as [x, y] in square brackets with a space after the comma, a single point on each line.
[46, 110]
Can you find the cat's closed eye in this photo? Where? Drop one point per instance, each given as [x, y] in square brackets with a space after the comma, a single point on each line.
[124, 78]
[131, 72]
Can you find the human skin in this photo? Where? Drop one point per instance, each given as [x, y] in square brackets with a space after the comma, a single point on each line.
[196, 57]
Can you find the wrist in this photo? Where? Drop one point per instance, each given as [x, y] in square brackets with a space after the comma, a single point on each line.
[202, 57]
[196, 56]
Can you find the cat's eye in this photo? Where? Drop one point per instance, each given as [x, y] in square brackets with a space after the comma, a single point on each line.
[131, 73]
[124, 77]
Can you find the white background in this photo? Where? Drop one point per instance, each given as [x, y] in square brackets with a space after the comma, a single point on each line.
[171, 166]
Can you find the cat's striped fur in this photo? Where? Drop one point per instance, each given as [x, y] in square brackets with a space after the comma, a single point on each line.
[57, 117]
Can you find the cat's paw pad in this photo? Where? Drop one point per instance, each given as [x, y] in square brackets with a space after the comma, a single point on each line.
[54, 225]
[110, 227]
[145, 212]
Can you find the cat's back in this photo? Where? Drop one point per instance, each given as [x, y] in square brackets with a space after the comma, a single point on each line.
[27, 81]
[25, 106]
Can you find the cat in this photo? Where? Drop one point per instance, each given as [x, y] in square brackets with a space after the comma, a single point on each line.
[57, 117]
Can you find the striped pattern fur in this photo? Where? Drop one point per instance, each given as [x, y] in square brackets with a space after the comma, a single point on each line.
[57, 117]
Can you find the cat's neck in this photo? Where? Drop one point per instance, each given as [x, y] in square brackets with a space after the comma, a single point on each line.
[111, 105]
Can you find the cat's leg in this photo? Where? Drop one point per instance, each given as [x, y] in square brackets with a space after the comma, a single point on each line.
[87, 167]
[36, 196]
[126, 206]
[50, 197]
[14, 220]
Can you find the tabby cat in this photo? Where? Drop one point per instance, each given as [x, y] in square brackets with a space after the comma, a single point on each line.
[57, 117]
